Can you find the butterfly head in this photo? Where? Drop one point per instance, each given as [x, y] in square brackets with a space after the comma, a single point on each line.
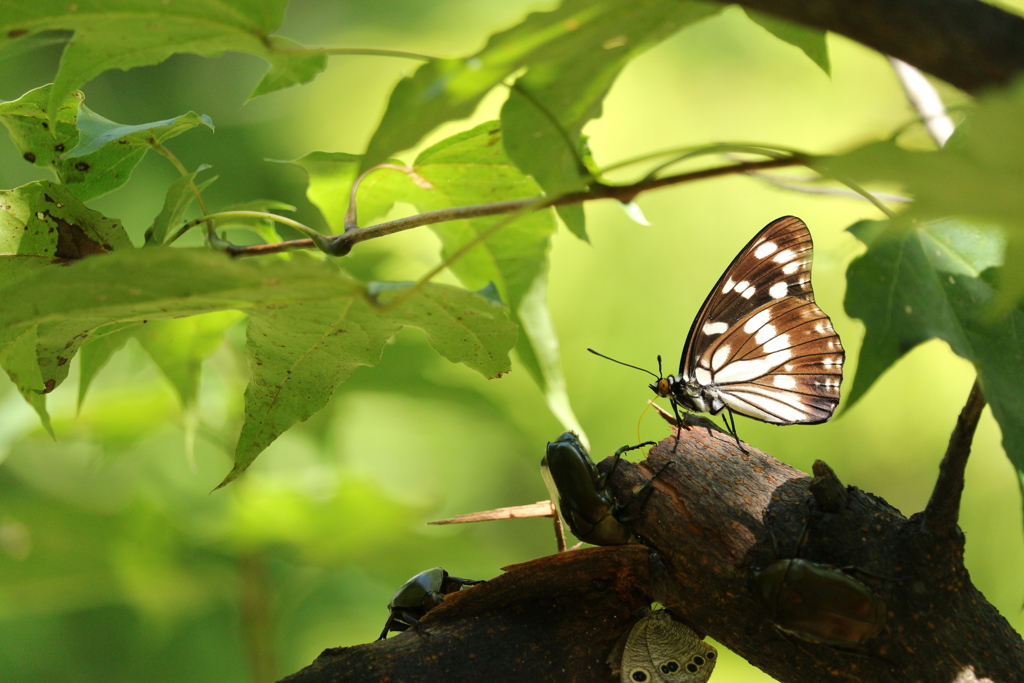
[662, 387]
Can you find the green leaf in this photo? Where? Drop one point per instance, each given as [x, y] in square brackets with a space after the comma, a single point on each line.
[100, 347]
[96, 132]
[180, 196]
[18, 359]
[301, 311]
[564, 88]
[810, 41]
[446, 89]
[180, 345]
[538, 350]
[43, 223]
[465, 169]
[90, 154]
[977, 176]
[935, 281]
[121, 34]
[291, 64]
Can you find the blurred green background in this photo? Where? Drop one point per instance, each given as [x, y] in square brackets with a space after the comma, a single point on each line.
[118, 564]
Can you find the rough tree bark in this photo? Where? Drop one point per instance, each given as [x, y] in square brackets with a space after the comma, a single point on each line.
[716, 515]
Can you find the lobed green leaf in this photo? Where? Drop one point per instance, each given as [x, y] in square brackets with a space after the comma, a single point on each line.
[935, 280]
[311, 324]
[91, 155]
[564, 88]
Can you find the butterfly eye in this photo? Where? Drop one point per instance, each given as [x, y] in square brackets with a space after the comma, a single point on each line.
[639, 676]
[662, 388]
[670, 667]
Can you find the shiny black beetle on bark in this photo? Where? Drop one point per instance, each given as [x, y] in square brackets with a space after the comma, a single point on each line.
[819, 602]
[418, 596]
[581, 493]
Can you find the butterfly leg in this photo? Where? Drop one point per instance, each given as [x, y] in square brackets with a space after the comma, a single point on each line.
[726, 417]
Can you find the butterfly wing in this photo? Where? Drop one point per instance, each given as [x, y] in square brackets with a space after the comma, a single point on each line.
[782, 363]
[659, 649]
[760, 338]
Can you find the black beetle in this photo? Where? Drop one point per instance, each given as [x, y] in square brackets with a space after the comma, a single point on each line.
[581, 494]
[418, 596]
[820, 603]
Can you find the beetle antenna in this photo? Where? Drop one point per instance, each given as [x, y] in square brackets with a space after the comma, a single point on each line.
[627, 364]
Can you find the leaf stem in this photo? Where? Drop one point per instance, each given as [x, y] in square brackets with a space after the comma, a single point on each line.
[315, 238]
[211, 234]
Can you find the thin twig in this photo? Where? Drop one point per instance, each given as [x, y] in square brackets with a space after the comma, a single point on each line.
[785, 184]
[943, 510]
[343, 243]
[169, 155]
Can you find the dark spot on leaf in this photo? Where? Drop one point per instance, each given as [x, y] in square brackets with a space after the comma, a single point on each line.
[60, 147]
[49, 384]
[72, 242]
[82, 166]
[46, 126]
[29, 157]
[61, 360]
[17, 32]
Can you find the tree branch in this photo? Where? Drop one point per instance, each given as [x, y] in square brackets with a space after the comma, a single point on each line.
[343, 243]
[943, 510]
[707, 523]
[970, 44]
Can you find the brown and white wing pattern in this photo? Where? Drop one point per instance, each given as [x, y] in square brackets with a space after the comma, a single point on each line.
[760, 346]
[781, 364]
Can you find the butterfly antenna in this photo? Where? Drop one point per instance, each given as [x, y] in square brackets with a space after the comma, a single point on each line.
[627, 364]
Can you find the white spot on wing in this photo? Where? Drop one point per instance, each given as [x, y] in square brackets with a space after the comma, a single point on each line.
[729, 284]
[745, 370]
[766, 249]
[714, 328]
[777, 344]
[721, 355]
[757, 321]
[791, 267]
[702, 376]
[741, 285]
[748, 292]
[764, 334]
[784, 382]
[785, 256]
[778, 290]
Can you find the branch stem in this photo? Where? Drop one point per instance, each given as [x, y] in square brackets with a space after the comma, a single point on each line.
[943, 510]
[343, 243]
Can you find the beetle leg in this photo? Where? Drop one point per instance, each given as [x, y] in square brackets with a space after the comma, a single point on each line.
[602, 479]
[387, 627]
[639, 492]
[459, 583]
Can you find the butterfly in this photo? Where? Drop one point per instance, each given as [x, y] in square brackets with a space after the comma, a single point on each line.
[760, 346]
[659, 649]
